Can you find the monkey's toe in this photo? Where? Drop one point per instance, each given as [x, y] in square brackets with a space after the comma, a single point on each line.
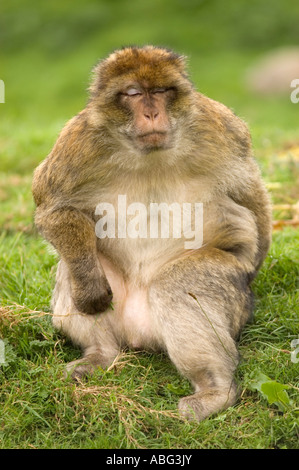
[200, 405]
[80, 369]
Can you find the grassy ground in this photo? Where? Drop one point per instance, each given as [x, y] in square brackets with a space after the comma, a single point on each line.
[133, 404]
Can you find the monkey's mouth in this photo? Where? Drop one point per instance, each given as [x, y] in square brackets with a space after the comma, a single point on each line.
[154, 139]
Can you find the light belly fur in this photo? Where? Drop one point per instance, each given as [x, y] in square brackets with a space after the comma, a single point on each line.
[131, 310]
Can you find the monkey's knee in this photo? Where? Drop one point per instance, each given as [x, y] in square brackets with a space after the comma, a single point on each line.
[202, 404]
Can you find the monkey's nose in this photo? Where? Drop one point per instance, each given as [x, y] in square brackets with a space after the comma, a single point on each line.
[151, 115]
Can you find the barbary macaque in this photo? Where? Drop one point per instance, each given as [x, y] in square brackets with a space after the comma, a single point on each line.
[146, 141]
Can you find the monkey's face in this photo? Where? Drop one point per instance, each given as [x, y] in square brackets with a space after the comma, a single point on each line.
[150, 125]
[143, 96]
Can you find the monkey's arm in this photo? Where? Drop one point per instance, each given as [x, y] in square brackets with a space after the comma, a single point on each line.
[69, 229]
[238, 178]
[72, 234]
[254, 197]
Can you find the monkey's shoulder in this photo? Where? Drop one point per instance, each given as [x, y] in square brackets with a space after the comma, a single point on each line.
[76, 141]
[71, 161]
[224, 123]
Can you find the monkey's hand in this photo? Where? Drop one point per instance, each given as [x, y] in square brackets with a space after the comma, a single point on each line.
[93, 295]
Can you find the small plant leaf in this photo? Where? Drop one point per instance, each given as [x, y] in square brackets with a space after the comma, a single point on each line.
[176, 390]
[274, 392]
[257, 381]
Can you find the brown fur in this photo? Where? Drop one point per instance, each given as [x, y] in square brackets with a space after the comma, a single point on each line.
[172, 146]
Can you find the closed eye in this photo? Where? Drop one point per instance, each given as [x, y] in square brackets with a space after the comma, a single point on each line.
[132, 92]
[168, 90]
[158, 90]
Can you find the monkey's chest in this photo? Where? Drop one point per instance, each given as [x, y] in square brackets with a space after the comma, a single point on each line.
[149, 228]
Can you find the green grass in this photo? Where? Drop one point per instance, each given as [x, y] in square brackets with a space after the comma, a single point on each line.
[134, 403]
[47, 53]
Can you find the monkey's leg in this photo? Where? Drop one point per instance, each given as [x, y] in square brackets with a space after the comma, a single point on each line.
[200, 304]
[93, 333]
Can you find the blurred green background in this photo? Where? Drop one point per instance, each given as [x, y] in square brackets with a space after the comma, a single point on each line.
[48, 49]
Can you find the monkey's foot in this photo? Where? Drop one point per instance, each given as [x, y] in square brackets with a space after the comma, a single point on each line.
[200, 405]
[81, 368]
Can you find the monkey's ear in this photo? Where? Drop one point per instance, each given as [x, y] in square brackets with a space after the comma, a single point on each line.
[100, 75]
[182, 65]
[181, 62]
[95, 82]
